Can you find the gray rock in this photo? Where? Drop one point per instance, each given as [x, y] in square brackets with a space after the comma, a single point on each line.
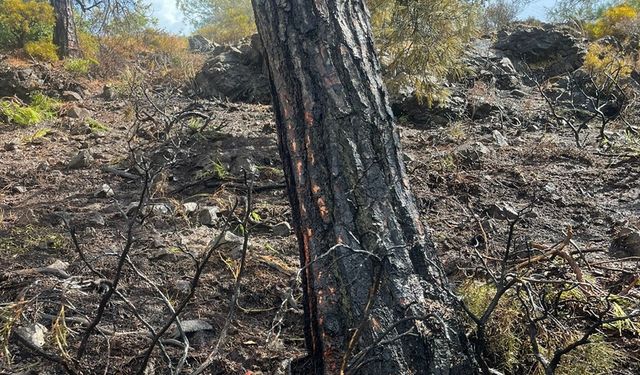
[95, 220]
[190, 207]
[19, 189]
[502, 211]
[626, 243]
[235, 73]
[108, 93]
[82, 160]
[157, 209]
[79, 112]
[282, 229]
[551, 49]
[232, 245]
[473, 153]
[198, 43]
[105, 191]
[243, 163]
[501, 141]
[11, 146]
[208, 216]
[33, 333]
[71, 96]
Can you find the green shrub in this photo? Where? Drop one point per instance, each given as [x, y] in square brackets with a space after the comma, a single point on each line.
[42, 50]
[24, 21]
[79, 67]
[40, 109]
[96, 126]
[420, 43]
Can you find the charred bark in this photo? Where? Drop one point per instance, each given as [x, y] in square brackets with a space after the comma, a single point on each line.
[64, 34]
[376, 300]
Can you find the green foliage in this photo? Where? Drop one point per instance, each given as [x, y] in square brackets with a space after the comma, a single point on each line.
[23, 21]
[620, 21]
[42, 50]
[221, 21]
[575, 10]
[96, 126]
[420, 42]
[508, 342]
[497, 14]
[40, 109]
[79, 67]
[37, 135]
[20, 240]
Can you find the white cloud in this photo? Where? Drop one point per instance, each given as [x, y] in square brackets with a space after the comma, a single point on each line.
[169, 17]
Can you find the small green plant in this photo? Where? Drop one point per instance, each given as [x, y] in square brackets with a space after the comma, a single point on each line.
[219, 170]
[40, 109]
[79, 67]
[37, 135]
[42, 50]
[20, 240]
[96, 126]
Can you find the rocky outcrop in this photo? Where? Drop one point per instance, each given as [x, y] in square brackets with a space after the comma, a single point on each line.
[236, 73]
[548, 50]
[22, 81]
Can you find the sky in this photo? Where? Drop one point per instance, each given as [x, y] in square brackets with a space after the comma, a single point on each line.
[170, 18]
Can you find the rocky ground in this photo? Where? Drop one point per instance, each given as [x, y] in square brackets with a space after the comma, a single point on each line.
[473, 172]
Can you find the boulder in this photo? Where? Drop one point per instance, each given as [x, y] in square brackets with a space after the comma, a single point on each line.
[236, 73]
[198, 43]
[549, 50]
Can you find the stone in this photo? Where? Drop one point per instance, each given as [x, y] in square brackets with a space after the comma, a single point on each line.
[105, 191]
[282, 229]
[71, 96]
[11, 146]
[552, 49]
[236, 73]
[108, 93]
[81, 160]
[241, 164]
[79, 112]
[19, 189]
[502, 211]
[473, 153]
[232, 244]
[198, 43]
[157, 209]
[500, 140]
[626, 243]
[208, 216]
[190, 207]
[95, 220]
[34, 333]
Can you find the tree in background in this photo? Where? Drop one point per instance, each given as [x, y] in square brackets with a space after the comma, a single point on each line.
[499, 13]
[420, 42]
[575, 10]
[221, 21]
[65, 35]
[24, 21]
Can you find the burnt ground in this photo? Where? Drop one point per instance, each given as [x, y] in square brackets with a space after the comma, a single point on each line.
[467, 194]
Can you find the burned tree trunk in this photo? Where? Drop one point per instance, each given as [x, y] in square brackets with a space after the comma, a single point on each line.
[376, 300]
[64, 33]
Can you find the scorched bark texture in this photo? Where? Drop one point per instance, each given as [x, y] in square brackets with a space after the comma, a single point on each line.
[64, 33]
[376, 299]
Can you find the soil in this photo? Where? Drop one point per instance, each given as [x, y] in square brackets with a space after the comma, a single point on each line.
[467, 195]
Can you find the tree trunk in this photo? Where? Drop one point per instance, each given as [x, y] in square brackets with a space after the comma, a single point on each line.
[64, 33]
[376, 300]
